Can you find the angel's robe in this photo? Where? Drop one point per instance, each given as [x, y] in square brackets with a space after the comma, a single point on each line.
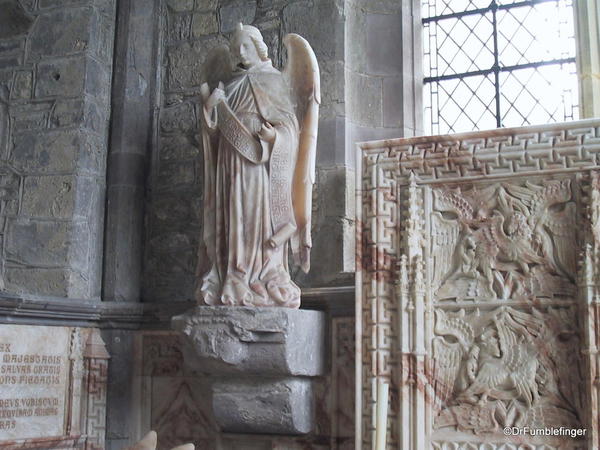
[247, 193]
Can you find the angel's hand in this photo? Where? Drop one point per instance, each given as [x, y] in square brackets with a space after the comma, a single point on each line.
[204, 92]
[217, 96]
[267, 133]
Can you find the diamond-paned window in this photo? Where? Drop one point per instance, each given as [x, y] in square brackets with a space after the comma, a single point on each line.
[498, 63]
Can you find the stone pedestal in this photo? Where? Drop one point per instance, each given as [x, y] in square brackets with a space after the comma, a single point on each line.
[262, 360]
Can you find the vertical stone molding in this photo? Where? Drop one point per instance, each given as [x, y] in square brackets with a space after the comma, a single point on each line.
[477, 287]
[587, 26]
[133, 98]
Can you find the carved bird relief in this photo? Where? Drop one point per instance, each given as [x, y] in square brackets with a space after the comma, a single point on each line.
[504, 240]
[493, 369]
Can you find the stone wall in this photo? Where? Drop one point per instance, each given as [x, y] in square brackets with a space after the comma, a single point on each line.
[189, 30]
[55, 78]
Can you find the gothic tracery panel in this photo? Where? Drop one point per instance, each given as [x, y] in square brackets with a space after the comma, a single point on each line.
[478, 289]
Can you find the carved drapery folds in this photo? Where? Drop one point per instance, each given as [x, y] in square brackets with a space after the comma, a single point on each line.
[477, 286]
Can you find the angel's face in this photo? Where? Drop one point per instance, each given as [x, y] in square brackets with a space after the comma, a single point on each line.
[244, 51]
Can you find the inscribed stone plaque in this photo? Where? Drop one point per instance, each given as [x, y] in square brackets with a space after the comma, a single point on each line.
[34, 370]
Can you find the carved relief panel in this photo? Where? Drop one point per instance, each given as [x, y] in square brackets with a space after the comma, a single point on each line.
[477, 288]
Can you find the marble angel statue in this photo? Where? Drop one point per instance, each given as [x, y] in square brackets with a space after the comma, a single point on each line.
[259, 131]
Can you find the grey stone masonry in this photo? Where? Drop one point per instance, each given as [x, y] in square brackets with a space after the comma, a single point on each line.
[55, 79]
[249, 340]
[281, 406]
[262, 361]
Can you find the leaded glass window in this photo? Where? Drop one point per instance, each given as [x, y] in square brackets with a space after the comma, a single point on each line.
[498, 63]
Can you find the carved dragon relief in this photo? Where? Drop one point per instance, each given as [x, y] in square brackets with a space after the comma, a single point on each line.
[506, 367]
[504, 240]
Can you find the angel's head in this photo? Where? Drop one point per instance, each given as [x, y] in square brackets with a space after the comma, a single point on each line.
[248, 47]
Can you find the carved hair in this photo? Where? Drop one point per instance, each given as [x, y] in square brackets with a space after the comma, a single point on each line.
[255, 35]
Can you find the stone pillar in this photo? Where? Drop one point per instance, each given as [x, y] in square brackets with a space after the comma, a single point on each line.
[131, 131]
[261, 361]
[587, 20]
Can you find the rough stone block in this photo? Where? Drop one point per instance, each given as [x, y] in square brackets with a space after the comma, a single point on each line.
[356, 54]
[393, 102]
[14, 20]
[180, 5]
[47, 243]
[49, 196]
[278, 406]
[265, 341]
[43, 4]
[46, 152]
[203, 24]
[384, 44]
[308, 19]
[378, 6]
[179, 147]
[9, 62]
[332, 89]
[178, 118]
[178, 26]
[365, 103]
[10, 46]
[60, 77]
[39, 280]
[67, 113]
[98, 80]
[22, 87]
[204, 5]
[173, 174]
[10, 182]
[184, 67]
[239, 11]
[102, 38]
[31, 116]
[92, 155]
[61, 32]
[170, 210]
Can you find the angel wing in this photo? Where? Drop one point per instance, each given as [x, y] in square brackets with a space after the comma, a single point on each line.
[447, 358]
[453, 201]
[540, 198]
[302, 75]
[444, 237]
[448, 355]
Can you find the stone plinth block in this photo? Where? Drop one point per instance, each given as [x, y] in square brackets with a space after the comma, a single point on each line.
[261, 360]
[267, 406]
[258, 341]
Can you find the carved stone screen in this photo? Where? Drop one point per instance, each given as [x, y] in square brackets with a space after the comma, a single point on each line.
[477, 288]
